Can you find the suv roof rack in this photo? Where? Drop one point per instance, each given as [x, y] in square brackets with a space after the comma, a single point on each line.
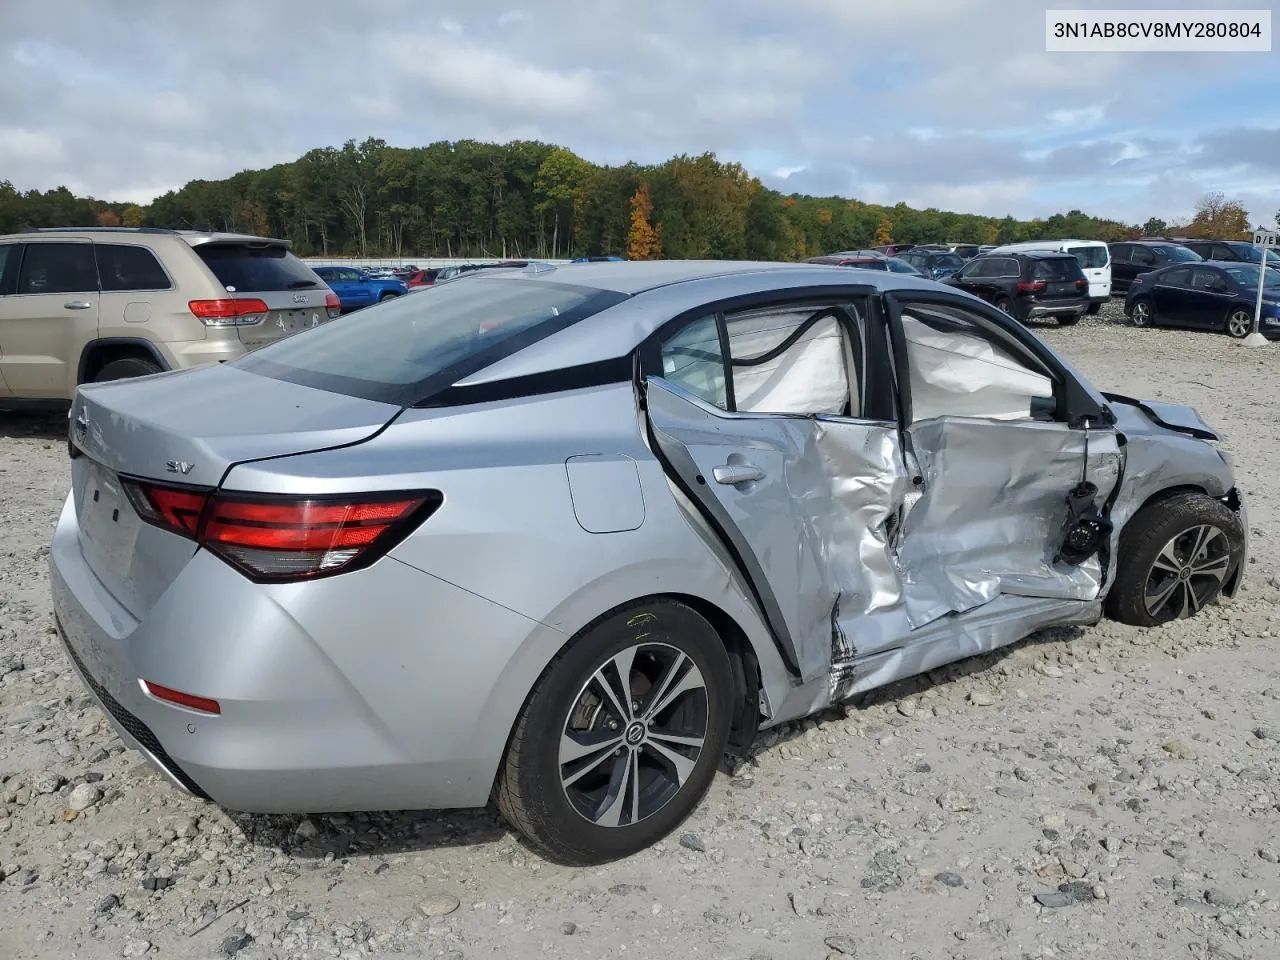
[99, 229]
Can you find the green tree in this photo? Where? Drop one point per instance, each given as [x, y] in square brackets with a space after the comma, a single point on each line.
[1154, 227]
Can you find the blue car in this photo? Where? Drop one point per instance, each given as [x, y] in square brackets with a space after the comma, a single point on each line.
[1211, 295]
[596, 260]
[356, 288]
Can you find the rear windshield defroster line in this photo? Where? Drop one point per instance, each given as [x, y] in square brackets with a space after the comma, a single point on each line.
[386, 334]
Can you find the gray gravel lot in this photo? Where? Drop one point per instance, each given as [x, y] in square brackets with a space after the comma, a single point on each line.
[1104, 792]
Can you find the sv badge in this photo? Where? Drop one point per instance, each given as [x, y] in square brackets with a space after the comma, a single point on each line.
[178, 466]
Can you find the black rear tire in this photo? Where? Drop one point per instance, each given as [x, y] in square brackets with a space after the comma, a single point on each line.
[1150, 551]
[1094, 309]
[1068, 319]
[125, 368]
[531, 789]
[1004, 305]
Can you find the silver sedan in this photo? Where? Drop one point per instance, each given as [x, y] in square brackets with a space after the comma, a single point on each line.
[563, 537]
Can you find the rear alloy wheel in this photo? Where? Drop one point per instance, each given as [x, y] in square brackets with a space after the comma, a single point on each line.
[1176, 555]
[1141, 313]
[1239, 323]
[1004, 305]
[621, 736]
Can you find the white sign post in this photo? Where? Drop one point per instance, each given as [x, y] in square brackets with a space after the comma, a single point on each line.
[1264, 240]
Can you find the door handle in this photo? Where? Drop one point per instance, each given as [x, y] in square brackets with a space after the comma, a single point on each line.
[732, 473]
[77, 305]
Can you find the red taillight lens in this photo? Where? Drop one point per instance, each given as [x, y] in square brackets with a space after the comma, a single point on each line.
[1081, 283]
[176, 509]
[332, 305]
[280, 538]
[234, 312]
[1033, 286]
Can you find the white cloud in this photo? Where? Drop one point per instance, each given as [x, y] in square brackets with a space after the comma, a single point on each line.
[950, 103]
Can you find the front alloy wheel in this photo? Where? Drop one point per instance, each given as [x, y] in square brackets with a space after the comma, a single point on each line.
[621, 736]
[1176, 556]
[1187, 573]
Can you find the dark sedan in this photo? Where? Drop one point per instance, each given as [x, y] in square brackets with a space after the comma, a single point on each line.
[1210, 295]
[934, 264]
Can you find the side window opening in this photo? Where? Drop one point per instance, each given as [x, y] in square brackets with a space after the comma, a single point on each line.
[958, 368]
[129, 267]
[58, 268]
[693, 360]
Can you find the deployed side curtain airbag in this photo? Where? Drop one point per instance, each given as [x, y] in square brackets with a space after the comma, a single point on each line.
[958, 374]
[808, 375]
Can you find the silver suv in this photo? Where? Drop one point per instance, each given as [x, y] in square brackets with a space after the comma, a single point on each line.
[84, 304]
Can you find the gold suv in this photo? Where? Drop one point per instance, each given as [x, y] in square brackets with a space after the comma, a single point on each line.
[84, 304]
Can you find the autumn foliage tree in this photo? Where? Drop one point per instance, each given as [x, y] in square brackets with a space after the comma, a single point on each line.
[644, 241]
[1218, 218]
[884, 232]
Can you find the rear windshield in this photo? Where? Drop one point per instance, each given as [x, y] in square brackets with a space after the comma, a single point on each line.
[245, 269]
[1091, 258]
[1059, 268]
[949, 260]
[410, 348]
[1175, 254]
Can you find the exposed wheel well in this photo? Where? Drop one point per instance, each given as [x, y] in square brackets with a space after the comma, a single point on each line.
[99, 353]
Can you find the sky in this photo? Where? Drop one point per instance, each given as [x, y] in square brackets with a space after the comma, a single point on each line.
[936, 103]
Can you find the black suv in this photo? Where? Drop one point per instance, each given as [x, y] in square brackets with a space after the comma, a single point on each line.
[1027, 285]
[1129, 258]
[1231, 251]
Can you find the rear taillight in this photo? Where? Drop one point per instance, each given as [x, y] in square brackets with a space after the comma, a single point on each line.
[176, 509]
[1033, 286]
[1081, 283]
[281, 538]
[233, 312]
[332, 305]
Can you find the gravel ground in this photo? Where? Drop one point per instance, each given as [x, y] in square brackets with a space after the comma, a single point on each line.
[1100, 792]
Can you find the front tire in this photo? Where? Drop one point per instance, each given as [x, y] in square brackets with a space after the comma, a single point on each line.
[621, 736]
[387, 296]
[1176, 554]
[1239, 324]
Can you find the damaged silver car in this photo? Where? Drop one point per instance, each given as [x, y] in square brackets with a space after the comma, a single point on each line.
[564, 536]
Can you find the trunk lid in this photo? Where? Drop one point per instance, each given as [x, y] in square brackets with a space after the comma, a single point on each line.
[187, 428]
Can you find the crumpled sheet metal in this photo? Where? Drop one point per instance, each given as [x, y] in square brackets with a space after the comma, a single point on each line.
[1004, 621]
[990, 495]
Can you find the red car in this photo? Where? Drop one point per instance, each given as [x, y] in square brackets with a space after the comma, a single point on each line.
[421, 278]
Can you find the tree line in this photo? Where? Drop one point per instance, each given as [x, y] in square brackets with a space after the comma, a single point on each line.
[532, 199]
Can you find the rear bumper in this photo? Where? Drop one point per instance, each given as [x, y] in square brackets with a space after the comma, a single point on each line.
[195, 353]
[364, 692]
[1067, 308]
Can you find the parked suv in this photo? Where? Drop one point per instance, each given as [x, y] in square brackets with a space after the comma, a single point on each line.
[1131, 258]
[1231, 251]
[1027, 285]
[87, 304]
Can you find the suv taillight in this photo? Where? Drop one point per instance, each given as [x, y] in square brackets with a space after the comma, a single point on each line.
[232, 312]
[273, 538]
[1081, 283]
[1032, 286]
[332, 305]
